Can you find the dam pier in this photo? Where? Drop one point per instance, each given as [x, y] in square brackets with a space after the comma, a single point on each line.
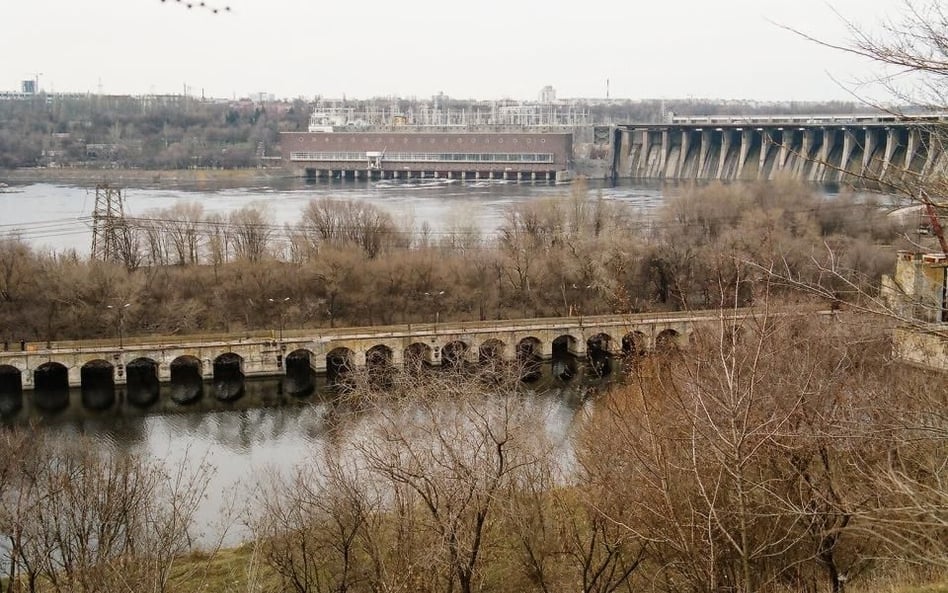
[815, 148]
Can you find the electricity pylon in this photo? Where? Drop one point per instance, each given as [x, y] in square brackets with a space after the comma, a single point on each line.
[109, 230]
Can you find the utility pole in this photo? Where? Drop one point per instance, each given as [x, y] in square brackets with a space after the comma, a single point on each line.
[109, 230]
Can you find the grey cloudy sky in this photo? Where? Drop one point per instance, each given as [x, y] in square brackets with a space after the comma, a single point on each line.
[484, 49]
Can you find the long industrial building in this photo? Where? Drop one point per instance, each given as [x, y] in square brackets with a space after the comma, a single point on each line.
[410, 155]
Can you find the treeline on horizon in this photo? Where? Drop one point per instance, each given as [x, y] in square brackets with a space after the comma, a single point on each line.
[347, 263]
[178, 132]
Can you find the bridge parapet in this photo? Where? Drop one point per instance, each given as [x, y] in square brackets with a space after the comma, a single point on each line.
[263, 355]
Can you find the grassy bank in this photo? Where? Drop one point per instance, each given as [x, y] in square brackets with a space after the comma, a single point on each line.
[234, 569]
[242, 570]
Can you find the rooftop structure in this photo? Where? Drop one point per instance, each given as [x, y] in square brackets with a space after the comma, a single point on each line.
[496, 114]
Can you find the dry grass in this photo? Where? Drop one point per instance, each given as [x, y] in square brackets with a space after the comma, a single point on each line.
[229, 570]
[903, 579]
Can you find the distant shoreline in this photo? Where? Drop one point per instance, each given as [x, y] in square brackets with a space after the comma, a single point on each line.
[83, 176]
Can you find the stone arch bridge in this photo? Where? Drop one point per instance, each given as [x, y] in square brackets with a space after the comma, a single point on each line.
[180, 367]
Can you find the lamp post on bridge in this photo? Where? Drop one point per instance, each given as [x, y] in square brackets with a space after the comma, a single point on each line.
[281, 303]
[436, 297]
[121, 321]
[578, 305]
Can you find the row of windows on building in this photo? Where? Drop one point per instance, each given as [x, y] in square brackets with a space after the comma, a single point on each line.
[427, 157]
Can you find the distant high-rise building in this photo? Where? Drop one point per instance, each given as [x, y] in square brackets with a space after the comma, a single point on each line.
[547, 94]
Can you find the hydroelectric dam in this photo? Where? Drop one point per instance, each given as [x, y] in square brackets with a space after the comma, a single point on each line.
[816, 148]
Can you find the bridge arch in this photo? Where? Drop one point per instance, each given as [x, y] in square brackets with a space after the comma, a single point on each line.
[454, 354]
[599, 354]
[379, 355]
[340, 362]
[565, 345]
[530, 358]
[141, 382]
[228, 376]
[299, 379]
[667, 341]
[97, 384]
[187, 379]
[51, 386]
[417, 357]
[564, 366]
[492, 351]
[379, 364]
[11, 390]
[634, 344]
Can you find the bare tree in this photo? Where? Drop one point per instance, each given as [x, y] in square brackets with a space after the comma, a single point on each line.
[311, 528]
[456, 452]
[81, 519]
[251, 233]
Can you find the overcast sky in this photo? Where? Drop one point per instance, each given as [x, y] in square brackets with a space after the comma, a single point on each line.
[728, 49]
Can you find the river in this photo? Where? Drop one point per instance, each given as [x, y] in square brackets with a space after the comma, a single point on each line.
[59, 217]
[253, 440]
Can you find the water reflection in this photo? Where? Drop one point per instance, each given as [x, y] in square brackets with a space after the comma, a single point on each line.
[259, 439]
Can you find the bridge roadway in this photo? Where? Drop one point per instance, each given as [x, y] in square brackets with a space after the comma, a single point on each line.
[184, 364]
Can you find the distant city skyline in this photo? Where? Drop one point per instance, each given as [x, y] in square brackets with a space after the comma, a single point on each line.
[739, 49]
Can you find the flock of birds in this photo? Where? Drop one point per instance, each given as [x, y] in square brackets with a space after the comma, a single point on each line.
[202, 4]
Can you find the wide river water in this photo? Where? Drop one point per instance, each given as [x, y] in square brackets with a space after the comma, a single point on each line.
[59, 217]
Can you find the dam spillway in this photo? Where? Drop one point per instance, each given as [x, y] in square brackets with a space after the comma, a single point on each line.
[822, 149]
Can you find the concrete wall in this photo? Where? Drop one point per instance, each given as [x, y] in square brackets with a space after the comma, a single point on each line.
[822, 153]
[928, 349]
[917, 289]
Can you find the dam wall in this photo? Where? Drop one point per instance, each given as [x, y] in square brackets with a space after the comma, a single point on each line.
[845, 149]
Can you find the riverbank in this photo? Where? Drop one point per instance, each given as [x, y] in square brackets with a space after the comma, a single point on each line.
[146, 177]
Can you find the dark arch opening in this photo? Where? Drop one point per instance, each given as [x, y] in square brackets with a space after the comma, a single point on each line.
[529, 359]
[417, 357]
[599, 354]
[490, 359]
[667, 342]
[299, 380]
[453, 355]
[11, 390]
[491, 353]
[187, 383]
[141, 382]
[378, 365]
[97, 384]
[51, 386]
[340, 362]
[634, 345]
[228, 377]
[564, 364]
